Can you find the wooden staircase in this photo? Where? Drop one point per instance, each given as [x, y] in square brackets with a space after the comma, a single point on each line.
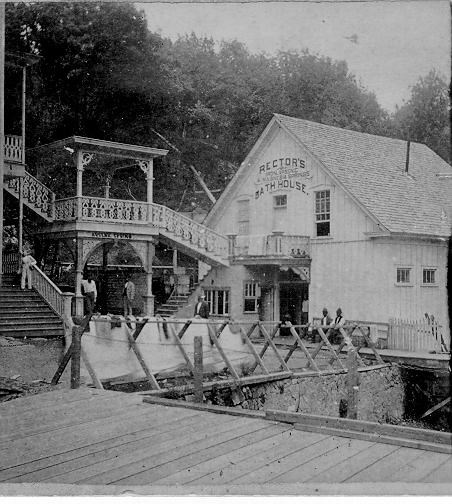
[174, 303]
[24, 313]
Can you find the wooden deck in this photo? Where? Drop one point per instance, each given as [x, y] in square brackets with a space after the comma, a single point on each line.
[98, 437]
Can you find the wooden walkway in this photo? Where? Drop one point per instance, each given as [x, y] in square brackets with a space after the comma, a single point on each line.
[98, 437]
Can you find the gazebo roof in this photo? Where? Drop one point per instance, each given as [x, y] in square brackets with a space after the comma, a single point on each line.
[105, 147]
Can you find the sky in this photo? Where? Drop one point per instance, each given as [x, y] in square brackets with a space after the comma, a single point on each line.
[387, 45]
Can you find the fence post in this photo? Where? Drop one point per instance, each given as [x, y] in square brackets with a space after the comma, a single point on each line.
[75, 359]
[198, 371]
[352, 384]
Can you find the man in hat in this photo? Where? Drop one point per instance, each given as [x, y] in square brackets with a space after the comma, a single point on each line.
[27, 263]
[202, 307]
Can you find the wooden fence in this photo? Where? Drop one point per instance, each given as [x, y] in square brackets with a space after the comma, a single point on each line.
[417, 336]
[278, 365]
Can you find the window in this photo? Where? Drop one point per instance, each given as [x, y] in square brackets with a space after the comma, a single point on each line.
[251, 295]
[243, 217]
[218, 300]
[403, 276]
[322, 213]
[280, 201]
[428, 276]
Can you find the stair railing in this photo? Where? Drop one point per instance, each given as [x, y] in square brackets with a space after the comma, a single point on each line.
[50, 292]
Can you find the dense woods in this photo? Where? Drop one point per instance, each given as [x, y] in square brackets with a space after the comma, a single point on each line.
[103, 74]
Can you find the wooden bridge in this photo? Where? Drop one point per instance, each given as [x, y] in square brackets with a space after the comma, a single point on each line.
[115, 441]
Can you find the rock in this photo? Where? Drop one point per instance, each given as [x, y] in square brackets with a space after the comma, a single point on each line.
[15, 377]
[190, 398]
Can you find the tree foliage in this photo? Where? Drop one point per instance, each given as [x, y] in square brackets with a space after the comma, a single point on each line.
[102, 74]
[425, 117]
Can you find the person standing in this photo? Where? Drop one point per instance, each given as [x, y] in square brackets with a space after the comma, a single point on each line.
[202, 308]
[90, 292]
[128, 295]
[27, 263]
[339, 322]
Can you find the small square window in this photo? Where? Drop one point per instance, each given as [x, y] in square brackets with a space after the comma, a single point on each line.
[280, 201]
[251, 294]
[428, 276]
[403, 276]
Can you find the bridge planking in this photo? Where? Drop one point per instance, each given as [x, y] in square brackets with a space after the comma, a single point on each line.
[104, 437]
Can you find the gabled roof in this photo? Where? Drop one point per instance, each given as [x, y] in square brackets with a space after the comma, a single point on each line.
[371, 169]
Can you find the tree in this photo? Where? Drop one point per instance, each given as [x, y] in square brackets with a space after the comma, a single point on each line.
[425, 117]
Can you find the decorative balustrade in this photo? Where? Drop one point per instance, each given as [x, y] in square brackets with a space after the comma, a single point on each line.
[13, 149]
[139, 212]
[34, 193]
[10, 262]
[48, 290]
[275, 244]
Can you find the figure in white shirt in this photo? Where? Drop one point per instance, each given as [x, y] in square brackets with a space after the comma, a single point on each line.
[27, 263]
[90, 292]
[128, 295]
[339, 322]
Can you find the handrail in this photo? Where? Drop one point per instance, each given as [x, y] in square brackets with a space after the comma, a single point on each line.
[34, 193]
[48, 290]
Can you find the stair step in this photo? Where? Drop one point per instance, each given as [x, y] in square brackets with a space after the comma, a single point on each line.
[36, 333]
[14, 311]
[34, 304]
[30, 323]
[28, 316]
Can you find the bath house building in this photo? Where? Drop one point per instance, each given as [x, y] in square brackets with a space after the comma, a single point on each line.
[319, 216]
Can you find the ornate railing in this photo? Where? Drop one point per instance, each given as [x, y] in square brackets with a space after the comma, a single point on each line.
[10, 262]
[13, 149]
[196, 234]
[65, 209]
[36, 194]
[48, 290]
[270, 245]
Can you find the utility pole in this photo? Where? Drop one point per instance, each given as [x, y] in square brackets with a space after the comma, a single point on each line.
[2, 126]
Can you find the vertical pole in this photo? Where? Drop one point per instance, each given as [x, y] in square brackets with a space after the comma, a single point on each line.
[149, 297]
[78, 276]
[21, 182]
[352, 384]
[2, 126]
[79, 193]
[150, 180]
[75, 359]
[197, 374]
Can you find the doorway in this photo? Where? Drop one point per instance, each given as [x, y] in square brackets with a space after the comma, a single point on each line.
[293, 297]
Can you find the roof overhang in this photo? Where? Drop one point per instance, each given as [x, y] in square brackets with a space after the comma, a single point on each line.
[105, 147]
[268, 260]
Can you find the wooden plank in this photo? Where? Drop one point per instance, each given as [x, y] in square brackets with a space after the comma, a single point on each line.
[266, 344]
[132, 456]
[376, 438]
[177, 339]
[288, 461]
[398, 431]
[284, 366]
[360, 460]
[149, 375]
[310, 469]
[214, 335]
[372, 346]
[419, 468]
[382, 468]
[226, 443]
[246, 337]
[205, 407]
[277, 447]
[352, 382]
[97, 383]
[265, 439]
[299, 342]
[440, 474]
[80, 454]
[65, 418]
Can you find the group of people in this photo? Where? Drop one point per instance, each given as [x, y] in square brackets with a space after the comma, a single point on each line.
[89, 291]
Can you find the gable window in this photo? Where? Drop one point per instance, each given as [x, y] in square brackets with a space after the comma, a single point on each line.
[428, 276]
[218, 301]
[403, 276]
[280, 201]
[251, 295]
[243, 217]
[322, 213]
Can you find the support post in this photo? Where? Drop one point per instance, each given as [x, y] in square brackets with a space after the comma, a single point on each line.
[75, 358]
[78, 277]
[352, 384]
[2, 124]
[198, 372]
[149, 297]
[20, 230]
